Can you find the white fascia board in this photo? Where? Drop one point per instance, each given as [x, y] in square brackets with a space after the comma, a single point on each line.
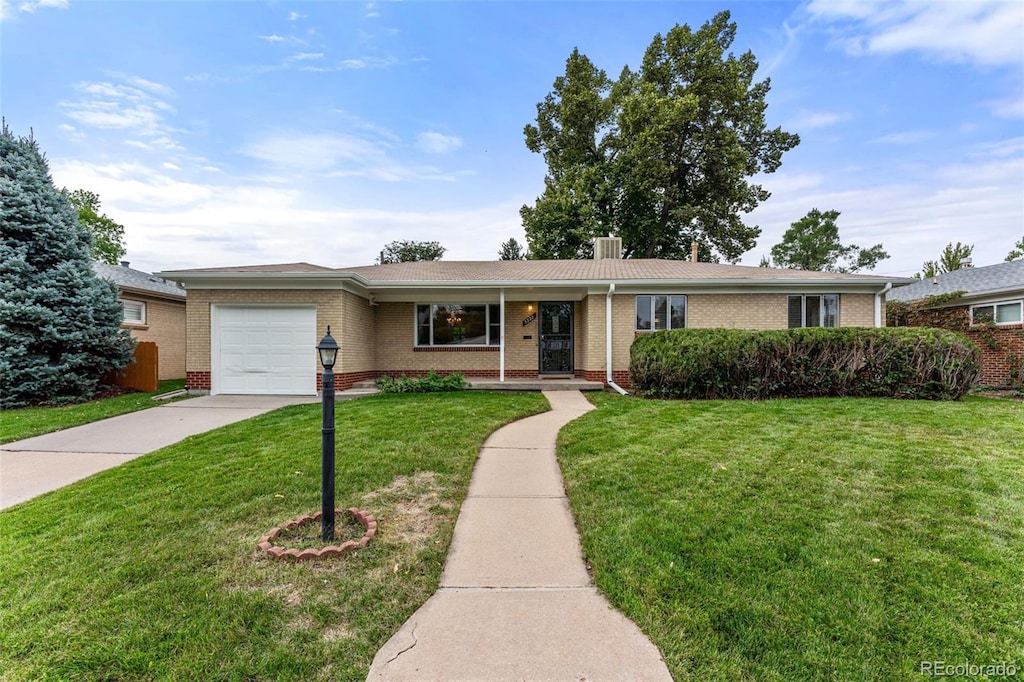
[271, 280]
[981, 297]
[705, 287]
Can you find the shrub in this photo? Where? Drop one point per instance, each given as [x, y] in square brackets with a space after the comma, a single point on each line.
[916, 362]
[431, 383]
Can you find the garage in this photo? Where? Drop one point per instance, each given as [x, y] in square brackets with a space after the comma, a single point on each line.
[264, 350]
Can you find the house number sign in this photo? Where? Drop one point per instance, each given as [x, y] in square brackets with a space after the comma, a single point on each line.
[529, 319]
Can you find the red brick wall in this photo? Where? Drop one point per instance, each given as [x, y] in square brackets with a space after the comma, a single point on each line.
[1002, 354]
[197, 381]
[619, 376]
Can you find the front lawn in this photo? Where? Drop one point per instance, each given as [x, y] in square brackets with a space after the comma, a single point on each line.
[832, 539]
[34, 421]
[150, 571]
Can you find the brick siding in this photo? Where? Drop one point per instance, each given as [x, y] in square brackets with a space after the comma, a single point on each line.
[1002, 354]
[165, 326]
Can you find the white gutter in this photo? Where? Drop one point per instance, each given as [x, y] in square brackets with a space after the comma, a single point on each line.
[501, 332]
[878, 303]
[608, 339]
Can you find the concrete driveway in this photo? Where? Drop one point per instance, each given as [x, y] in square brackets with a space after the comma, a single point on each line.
[38, 465]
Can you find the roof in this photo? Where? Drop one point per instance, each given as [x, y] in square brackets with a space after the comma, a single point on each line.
[535, 271]
[975, 282]
[279, 267]
[127, 278]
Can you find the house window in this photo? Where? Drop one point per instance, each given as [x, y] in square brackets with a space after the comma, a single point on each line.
[814, 310]
[133, 312]
[660, 312]
[446, 324]
[1003, 312]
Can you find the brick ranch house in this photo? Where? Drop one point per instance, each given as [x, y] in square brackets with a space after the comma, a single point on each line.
[253, 329]
[154, 310]
[989, 310]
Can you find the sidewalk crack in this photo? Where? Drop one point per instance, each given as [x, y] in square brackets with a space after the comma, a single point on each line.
[414, 643]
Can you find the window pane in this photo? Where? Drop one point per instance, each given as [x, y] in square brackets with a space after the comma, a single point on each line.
[796, 306]
[812, 317]
[830, 304]
[494, 320]
[459, 324]
[423, 325]
[1008, 312]
[132, 311]
[983, 314]
[643, 313]
[678, 304]
[661, 312]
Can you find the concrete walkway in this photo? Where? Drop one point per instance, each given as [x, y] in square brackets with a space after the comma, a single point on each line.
[515, 601]
[38, 465]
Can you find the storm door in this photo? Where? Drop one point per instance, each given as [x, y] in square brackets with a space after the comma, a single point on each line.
[556, 338]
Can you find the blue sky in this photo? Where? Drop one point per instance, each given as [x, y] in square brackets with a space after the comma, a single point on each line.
[234, 133]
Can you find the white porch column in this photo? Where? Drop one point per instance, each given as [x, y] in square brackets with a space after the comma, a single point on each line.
[501, 346]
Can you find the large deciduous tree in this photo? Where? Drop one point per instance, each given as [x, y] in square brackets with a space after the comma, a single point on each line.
[812, 243]
[107, 234]
[660, 157]
[409, 251]
[60, 324]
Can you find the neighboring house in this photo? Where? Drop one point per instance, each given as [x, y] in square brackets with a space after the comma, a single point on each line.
[989, 310]
[154, 310]
[253, 329]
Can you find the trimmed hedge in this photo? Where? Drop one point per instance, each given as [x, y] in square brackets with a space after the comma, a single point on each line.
[908, 362]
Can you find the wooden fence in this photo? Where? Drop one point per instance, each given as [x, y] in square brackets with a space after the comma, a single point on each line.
[143, 372]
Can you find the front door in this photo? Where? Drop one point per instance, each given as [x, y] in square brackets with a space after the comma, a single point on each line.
[556, 338]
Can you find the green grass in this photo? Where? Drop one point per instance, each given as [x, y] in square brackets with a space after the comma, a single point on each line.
[845, 539]
[34, 421]
[150, 571]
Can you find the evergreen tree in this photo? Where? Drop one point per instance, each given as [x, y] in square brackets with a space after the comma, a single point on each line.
[812, 243]
[1016, 252]
[950, 259]
[511, 250]
[60, 324]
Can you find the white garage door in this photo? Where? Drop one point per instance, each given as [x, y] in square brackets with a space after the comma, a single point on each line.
[264, 350]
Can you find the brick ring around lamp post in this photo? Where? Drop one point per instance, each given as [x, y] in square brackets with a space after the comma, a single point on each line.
[365, 520]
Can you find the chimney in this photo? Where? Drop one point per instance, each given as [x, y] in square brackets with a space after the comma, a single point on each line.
[124, 264]
[965, 263]
[608, 248]
[693, 252]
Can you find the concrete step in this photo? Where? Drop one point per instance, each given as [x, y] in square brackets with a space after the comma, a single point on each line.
[518, 384]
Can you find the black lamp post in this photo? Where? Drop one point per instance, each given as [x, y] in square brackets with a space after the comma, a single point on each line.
[328, 349]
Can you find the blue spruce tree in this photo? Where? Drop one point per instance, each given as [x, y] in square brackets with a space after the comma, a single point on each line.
[60, 324]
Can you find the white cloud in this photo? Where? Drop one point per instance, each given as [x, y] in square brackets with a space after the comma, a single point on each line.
[113, 106]
[170, 166]
[172, 223]
[437, 143]
[1012, 107]
[336, 155]
[354, 64]
[981, 31]
[295, 16]
[275, 38]
[305, 56]
[904, 137]
[809, 120]
[29, 6]
[915, 216]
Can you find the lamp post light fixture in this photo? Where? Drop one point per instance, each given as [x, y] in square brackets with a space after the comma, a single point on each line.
[328, 349]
